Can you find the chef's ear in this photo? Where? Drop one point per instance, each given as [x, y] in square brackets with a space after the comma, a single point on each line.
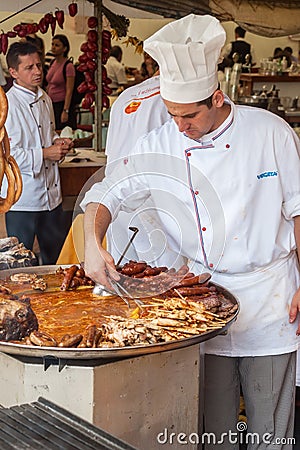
[218, 98]
[13, 72]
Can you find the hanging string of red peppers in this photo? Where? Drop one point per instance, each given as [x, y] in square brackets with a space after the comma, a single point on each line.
[88, 58]
[88, 65]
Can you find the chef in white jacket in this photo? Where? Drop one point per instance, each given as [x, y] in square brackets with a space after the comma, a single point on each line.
[37, 148]
[228, 179]
[138, 110]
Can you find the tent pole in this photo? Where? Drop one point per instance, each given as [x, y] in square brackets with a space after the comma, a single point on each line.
[98, 92]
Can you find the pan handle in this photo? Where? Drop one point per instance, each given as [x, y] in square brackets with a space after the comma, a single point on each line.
[135, 231]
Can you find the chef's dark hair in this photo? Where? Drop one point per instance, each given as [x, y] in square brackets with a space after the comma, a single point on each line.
[19, 49]
[65, 42]
[208, 101]
[240, 31]
[116, 51]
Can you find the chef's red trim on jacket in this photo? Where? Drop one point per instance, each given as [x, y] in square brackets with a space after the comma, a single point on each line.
[193, 192]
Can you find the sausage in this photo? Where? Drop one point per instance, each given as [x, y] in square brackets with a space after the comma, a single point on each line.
[3, 107]
[133, 268]
[82, 344]
[151, 271]
[191, 281]
[42, 339]
[80, 273]
[18, 177]
[193, 290]
[69, 275]
[6, 203]
[90, 337]
[98, 335]
[70, 341]
[139, 275]
[75, 282]
[183, 270]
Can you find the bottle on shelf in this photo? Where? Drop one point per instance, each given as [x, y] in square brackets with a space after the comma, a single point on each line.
[284, 64]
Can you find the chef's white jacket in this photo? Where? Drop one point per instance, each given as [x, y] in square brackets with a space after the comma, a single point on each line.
[31, 127]
[227, 203]
[138, 110]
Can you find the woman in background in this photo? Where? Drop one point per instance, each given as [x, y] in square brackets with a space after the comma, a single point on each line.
[60, 83]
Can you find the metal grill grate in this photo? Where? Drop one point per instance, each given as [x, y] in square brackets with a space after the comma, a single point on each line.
[42, 425]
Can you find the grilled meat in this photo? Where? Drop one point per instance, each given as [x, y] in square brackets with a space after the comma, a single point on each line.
[17, 319]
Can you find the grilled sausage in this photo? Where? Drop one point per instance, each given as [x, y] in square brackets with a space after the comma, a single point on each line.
[80, 273]
[192, 281]
[70, 341]
[90, 337]
[152, 271]
[69, 275]
[42, 339]
[193, 290]
[133, 268]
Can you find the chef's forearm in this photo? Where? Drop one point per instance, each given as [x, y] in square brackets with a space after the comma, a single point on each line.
[96, 221]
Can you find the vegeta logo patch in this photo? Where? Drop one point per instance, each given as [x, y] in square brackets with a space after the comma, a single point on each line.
[267, 174]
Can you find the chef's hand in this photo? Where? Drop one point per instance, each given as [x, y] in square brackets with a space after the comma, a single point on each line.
[97, 261]
[97, 264]
[295, 309]
[55, 152]
[58, 150]
[66, 143]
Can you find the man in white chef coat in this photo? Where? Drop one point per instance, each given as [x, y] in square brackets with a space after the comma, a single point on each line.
[220, 174]
[37, 149]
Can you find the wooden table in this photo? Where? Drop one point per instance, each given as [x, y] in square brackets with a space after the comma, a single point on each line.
[78, 172]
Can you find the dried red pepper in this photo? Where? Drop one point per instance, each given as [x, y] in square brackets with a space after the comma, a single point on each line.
[43, 25]
[60, 17]
[92, 36]
[53, 24]
[73, 9]
[92, 22]
[4, 43]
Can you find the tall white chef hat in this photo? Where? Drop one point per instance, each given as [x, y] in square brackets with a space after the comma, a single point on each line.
[187, 52]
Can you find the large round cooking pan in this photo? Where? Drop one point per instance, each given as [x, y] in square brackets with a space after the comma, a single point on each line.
[109, 353]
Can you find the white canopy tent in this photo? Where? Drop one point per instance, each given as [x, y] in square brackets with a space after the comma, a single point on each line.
[263, 17]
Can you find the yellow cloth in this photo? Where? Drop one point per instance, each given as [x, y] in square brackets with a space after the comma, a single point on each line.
[72, 251]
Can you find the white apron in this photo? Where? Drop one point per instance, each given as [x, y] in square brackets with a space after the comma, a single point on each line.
[262, 327]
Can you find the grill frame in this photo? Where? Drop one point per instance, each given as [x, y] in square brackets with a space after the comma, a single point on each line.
[43, 425]
[72, 354]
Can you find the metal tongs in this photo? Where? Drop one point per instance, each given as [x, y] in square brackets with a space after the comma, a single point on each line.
[99, 289]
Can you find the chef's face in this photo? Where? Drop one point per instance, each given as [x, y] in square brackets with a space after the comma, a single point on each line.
[29, 72]
[196, 120]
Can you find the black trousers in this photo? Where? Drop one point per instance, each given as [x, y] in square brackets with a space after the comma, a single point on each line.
[50, 228]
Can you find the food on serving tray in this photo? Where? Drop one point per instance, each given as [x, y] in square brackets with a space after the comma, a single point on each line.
[17, 319]
[74, 277]
[69, 315]
[14, 254]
